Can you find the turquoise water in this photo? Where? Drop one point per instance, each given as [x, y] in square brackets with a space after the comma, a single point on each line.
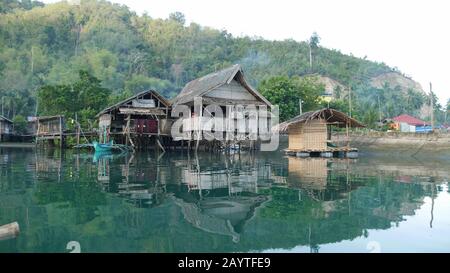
[263, 202]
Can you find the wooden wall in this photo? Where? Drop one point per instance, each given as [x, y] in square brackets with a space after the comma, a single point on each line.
[50, 126]
[308, 136]
[5, 127]
[232, 91]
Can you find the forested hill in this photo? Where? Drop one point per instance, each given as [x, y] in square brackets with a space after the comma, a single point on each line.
[49, 44]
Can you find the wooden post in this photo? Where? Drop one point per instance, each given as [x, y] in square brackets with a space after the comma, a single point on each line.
[61, 140]
[78, 129]
[37, 131]
[9, 231]
[348, 137]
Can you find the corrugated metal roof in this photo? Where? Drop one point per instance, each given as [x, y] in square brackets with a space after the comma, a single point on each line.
[410, 120]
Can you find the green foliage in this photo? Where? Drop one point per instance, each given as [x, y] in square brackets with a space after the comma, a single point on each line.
[20, 124]
[287, 92]
[128, 53]
[82, 100]
[47, 46]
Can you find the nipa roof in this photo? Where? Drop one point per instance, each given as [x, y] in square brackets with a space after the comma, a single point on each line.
[200, 86]
[329, 115]
[5, 119]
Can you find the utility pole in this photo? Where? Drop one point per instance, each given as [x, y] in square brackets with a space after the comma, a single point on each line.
[3, 98]
[300, 102]
[379, 107]
[432, 107]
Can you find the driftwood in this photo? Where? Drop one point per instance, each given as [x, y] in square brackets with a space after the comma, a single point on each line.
[9, 231]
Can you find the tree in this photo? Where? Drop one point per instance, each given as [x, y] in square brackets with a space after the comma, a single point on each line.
[178, 17]
[82, 99]
[20, 124]
[287, 92]
[313, 45]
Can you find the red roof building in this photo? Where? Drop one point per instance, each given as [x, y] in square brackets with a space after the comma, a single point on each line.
[410, 120]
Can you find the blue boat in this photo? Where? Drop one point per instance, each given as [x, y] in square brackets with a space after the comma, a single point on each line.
[102, 147]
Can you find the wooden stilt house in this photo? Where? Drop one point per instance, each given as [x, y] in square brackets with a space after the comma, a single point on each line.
[49, 128]
[6, 128]
[139, 121]
[226, 89]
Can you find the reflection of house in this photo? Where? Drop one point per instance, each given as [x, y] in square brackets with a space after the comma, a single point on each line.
[309, 173]
[136, 119]
[407, 123]
[223, 216]
[311, 131]
[6, 127]
[212, 180]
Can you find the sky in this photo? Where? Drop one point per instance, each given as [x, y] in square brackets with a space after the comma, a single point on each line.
[411, 35]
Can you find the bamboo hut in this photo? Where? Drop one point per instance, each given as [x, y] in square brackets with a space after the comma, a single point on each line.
[49, 128]
[6, 128]
[140, 120]
[310, 133]
[226, 89]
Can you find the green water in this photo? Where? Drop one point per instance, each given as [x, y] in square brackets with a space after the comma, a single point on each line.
[211, 203]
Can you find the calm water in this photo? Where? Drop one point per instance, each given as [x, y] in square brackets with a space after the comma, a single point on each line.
[209, 203]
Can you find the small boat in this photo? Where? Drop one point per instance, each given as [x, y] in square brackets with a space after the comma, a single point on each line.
[102, 147]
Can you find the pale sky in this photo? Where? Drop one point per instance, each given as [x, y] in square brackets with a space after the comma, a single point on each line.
[409, 34]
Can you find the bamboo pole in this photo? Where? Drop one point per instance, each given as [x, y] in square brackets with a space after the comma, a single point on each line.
[9, 231]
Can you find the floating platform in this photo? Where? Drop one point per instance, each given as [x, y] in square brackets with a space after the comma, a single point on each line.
[341, 152]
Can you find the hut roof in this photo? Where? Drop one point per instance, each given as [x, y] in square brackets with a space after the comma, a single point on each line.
[117, 105]
[40, 118]
[330, 115]
[5, 119]
[410, 120]
[200, 86]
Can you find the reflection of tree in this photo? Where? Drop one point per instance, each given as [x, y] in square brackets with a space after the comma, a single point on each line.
[76, 208]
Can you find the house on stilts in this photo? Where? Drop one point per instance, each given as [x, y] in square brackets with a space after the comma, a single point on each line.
[228, 90]
[49, 129]
[6, 128]
[310, 134]
[140, 121]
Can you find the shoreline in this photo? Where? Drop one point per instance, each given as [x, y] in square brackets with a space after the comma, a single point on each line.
[17, 145]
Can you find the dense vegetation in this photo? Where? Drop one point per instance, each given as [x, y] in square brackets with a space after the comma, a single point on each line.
[47, 46]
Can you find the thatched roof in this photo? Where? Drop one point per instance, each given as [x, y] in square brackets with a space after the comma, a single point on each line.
[5, 119]
[44, 118]
[331, 116]
[200, 86]
[165, 102]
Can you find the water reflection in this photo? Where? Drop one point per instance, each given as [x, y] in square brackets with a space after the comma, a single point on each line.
[177, 202]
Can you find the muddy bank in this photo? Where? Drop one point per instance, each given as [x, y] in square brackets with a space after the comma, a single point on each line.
[400, 144]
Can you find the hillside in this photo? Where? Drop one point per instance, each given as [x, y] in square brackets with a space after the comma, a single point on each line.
[48, 45]
[396, 79]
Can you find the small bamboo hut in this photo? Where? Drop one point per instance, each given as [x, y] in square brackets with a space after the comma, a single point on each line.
[141, 120]
[6, 128]
[310, 133]
[49, 128]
